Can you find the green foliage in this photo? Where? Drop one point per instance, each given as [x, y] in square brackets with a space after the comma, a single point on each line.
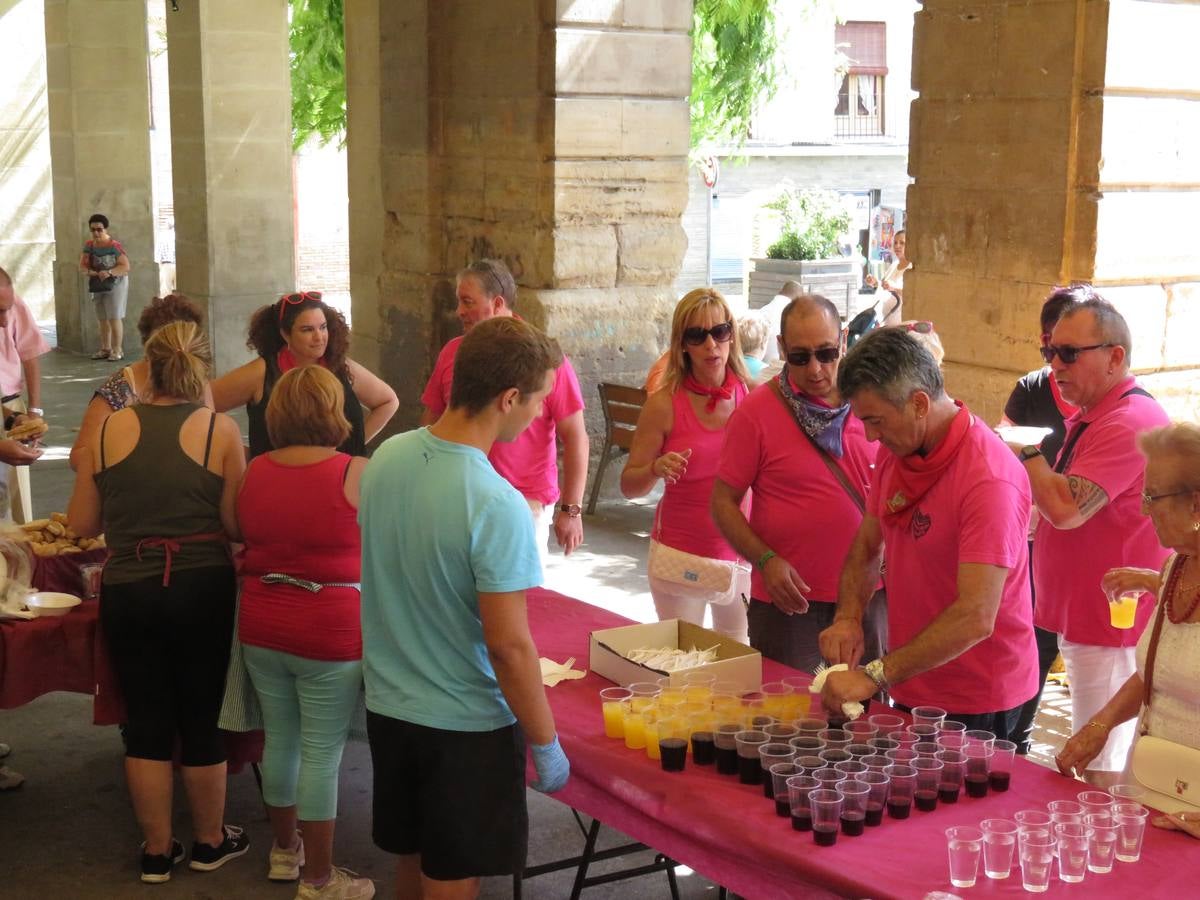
[318, 67]
[813, 224]
[733, 67]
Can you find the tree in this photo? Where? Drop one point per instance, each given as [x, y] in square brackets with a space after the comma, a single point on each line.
[318, 68]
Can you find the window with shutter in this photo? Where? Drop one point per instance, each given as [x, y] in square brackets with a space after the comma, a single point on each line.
[859, 111]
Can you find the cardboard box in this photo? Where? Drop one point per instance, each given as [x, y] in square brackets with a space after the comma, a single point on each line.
[735, 662]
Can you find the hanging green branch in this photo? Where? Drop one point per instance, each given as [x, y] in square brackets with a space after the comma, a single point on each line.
[733, 67]
[318, 68]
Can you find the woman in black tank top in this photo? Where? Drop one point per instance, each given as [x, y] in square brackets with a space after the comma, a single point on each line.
[301, 330]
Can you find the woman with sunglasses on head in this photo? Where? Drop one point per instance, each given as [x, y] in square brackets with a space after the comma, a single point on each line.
[105, 264]
[301, 330]
[678, 440]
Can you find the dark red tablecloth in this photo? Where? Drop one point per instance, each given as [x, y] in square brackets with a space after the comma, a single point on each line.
[730, 833]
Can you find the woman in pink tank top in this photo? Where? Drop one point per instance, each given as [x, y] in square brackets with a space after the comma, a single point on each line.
[678, 439]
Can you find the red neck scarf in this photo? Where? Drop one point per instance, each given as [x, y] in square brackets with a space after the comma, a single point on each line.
[912, 476]
[287, 360]
[714, 394]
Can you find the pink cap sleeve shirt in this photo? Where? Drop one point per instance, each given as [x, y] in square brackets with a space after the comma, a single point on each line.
[1068, 564]
[977, 512]
[23, 341]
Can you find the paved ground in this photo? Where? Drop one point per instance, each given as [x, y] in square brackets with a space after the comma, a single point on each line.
[69, 831]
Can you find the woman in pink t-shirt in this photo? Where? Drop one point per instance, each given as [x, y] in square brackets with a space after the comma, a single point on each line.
[678, 439]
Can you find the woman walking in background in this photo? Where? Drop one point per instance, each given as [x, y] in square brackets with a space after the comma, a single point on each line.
[105, 264]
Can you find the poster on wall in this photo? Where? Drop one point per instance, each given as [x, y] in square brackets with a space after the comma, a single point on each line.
[885, 222]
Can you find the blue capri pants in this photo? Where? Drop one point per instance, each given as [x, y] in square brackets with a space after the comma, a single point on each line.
[307, 705]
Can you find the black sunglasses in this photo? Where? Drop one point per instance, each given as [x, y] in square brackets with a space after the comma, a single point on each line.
[1067, 353]
[825, 355]
[696, 335]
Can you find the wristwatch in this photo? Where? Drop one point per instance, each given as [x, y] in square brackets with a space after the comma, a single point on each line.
[574, 510]
[1029, 452]
[874, 670]
[36, 411]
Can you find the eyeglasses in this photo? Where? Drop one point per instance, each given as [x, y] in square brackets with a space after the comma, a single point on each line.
[296, 299]
[696, 335]
[1148, 499]
[919, 327]
[1067, 353]
[825, 355]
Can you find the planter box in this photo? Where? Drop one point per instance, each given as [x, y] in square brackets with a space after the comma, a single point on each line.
[735, 662]
[838, 279]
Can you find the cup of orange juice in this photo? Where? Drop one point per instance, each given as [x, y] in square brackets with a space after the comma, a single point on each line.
[613, 702]
[1122, 610]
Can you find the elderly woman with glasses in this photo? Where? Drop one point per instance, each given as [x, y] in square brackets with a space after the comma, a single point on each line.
[105, 264]
[298, 621]
[678, 441]
[1163, 694]
[302, 330]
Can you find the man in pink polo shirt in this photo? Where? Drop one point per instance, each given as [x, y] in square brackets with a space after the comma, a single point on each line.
[21, 346]
[1090, 506]
[530, 463]
[784, 443]
[951, 506]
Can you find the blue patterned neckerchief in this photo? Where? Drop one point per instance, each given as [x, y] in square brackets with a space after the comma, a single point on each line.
[821, 423]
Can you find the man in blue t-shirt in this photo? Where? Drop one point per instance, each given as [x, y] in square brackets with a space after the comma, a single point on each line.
[453, 683]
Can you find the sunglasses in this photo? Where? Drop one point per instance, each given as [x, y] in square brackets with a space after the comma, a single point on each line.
[919, 327]
[825, 355]
[695, 336]
[296, 299]
[1067, 353]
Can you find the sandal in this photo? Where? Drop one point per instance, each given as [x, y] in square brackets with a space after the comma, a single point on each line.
[100, 354]
[116, 356]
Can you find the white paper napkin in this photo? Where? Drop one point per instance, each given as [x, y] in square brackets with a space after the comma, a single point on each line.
[553, 673]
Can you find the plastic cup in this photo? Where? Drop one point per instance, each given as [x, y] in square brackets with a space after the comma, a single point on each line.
[929, 777]
[903, 755]
[798, 789]
[671, 695]
[828, 776]
[1033, 818]
[878, 783]
[673, 735]
[883, 744]
[725, 742]
[701, 738]
[979, 736]
[851, 768]
[1122, 611]
[1095, 801]
[928, 715]
[826, 806]
[650, 730]
[769, 754]
[776, 700]
[904, 738]
[1072, 841]
[836, 738]
[854, 805]
[644, 694]
[953, 768]
[1127, 793]
[999, 843]
[903, 784]
[1065, 812]
[1036, 851]
[807, 744]
[979, 763]
[811, 726]
[876, 763]
[886, 722]
[778, 776]
[749, 767]
[924, 732]
[965, 846]
[1000, 773]
[699, 680]
[833, 755]
[613, 702]
[860, 750]
[635, 728]
[950, 734]
[782, 731]
[861, 730]
[809, 764]
[1102, 842]
[927, 749]
[1131, 828]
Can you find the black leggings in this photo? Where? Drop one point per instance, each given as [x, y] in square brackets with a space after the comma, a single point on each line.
[170, 649]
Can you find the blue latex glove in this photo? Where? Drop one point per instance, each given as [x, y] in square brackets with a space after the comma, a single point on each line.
[552, 766]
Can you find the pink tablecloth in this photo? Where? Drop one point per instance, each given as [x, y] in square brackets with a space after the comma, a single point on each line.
[730, 833]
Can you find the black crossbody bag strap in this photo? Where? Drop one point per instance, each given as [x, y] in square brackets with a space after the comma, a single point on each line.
[823, 453]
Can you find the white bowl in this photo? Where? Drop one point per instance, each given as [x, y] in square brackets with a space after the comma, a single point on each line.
[50, 603]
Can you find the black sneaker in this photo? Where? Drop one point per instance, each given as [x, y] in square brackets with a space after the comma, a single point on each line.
[206, 858]
[156, 867]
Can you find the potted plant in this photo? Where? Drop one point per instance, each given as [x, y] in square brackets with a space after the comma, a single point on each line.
[812, 229]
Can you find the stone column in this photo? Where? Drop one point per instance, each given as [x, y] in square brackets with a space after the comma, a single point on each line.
[552, 135]
[1046, 148]
[231, 151]
[99, 101]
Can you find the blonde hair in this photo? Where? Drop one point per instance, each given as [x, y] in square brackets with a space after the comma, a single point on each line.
[305, 409]
[693, 303]
[180, 359]
[1179, 439]
[752, 332]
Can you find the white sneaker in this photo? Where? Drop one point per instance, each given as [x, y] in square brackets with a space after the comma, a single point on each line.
[285, 864]
[342, 885]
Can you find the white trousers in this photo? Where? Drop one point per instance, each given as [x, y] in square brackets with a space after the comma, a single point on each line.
[543, 520]
[677, 601]
[1095, 674]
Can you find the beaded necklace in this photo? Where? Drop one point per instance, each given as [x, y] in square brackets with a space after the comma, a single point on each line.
[1173, 591]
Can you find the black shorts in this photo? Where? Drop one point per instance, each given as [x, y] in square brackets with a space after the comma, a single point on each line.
[457, 798]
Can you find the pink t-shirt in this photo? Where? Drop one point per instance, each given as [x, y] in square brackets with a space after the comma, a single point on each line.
[23, 341]
[530, 463]
[977, 512]
[1068, 564]
[683, 519]
[800, 509]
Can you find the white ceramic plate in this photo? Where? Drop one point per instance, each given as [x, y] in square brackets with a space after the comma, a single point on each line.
[51, 603]
[1022, 434]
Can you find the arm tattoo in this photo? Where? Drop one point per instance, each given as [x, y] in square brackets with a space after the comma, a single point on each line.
[1089, 497]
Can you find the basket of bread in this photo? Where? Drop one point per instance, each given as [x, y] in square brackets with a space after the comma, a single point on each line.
[29, 429]
[54, 537]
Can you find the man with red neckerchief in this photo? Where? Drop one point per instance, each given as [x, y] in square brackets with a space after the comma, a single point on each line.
[951, 506]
